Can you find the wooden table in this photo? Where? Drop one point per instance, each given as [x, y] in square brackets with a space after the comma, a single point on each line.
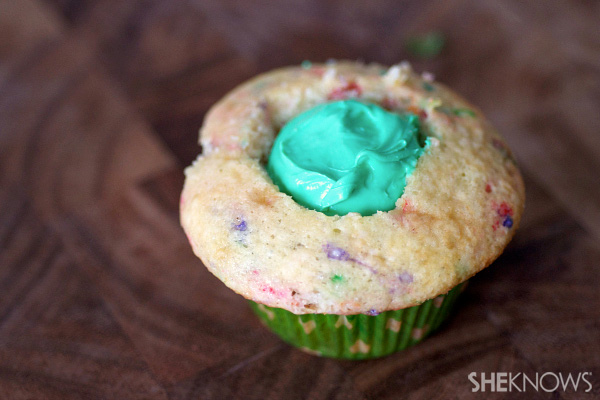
[100, 102]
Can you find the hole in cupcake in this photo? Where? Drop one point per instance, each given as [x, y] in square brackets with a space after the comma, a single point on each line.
[376, 151]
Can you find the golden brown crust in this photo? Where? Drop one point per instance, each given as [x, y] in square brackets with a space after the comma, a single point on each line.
[460, 207]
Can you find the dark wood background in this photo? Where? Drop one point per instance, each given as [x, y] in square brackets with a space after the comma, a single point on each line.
[100, 102]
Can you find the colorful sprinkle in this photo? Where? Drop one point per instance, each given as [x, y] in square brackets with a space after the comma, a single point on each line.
[351, 89]
[407, 206]
[428, 86]
[241, 226]
[461, 112]
[389, 103]
[318, 71]
[336, 253]
[443, 109]
[306, 64]
[505, 209]
[505, 214]
[268, 289]
[488, 188]
[337, 278]
[418, 111]
[405, 277]
[372, 312]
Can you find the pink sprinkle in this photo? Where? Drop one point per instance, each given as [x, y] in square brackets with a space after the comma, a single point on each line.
[350, 90]
[319, 71]
[505, 210]
[407, 206]
[488, 188]
[389, 103]
[496, 225]
[270, 290]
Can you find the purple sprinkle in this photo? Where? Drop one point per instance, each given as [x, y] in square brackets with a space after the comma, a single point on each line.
[336, 253]
[508, 222]
[241, 226]
[405, 277]
[372, 312]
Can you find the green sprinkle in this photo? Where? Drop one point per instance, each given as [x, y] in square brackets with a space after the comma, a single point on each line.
[306, 64]
[463, 111]
[443, 109]
[428, 86]
[428, 45]
[337, 278]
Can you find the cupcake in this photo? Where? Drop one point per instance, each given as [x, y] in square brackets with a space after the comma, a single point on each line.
[349, 203]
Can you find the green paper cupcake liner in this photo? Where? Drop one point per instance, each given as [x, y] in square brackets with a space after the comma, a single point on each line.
[361, 336]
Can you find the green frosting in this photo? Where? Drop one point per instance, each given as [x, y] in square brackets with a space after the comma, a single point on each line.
[346, 156]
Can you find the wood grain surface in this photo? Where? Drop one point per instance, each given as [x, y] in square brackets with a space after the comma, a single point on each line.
[100, 103]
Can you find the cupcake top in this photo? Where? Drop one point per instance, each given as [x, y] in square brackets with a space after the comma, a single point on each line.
[438, 189]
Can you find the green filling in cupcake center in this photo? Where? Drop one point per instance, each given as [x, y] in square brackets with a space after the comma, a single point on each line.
[346, 156]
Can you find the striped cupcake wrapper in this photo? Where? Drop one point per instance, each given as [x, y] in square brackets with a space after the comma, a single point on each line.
[359, 337]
